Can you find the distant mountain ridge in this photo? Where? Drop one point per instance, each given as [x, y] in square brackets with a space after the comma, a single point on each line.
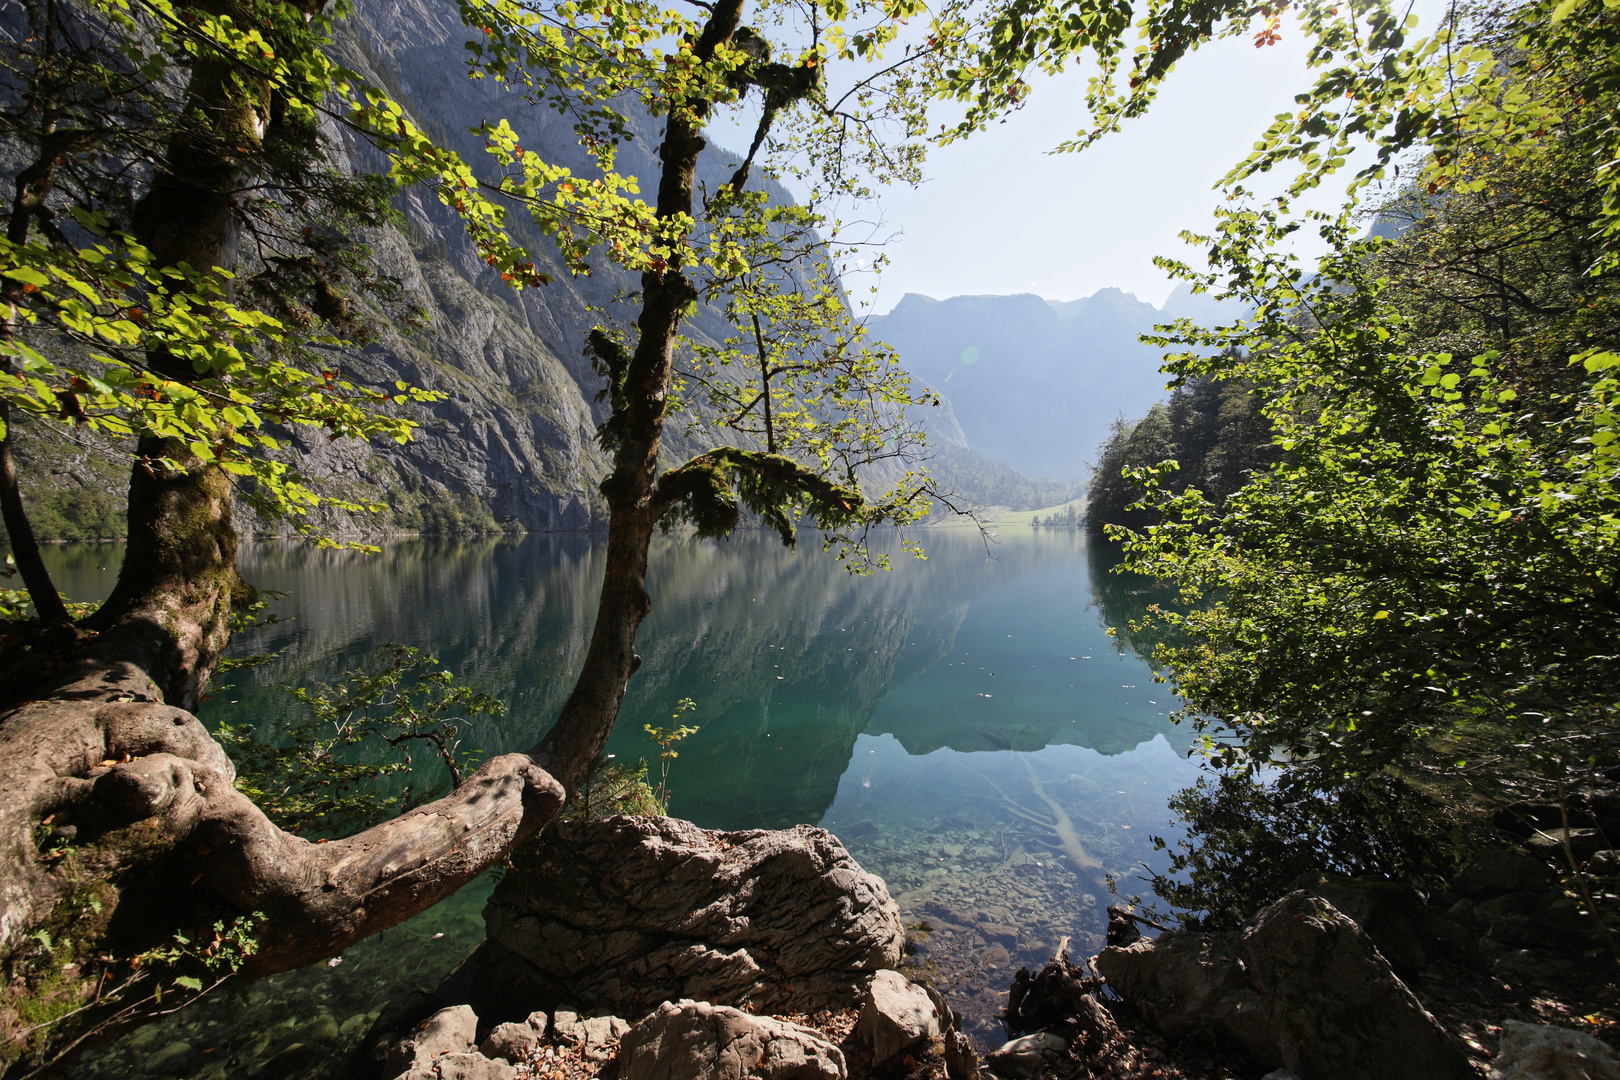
[1035, 383]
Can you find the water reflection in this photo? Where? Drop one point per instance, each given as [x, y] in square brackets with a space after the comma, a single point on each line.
[964, 724]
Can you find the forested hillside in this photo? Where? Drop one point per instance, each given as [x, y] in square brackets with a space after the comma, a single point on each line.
[1214, 432]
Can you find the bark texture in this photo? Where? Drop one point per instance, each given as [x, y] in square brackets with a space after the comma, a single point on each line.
[120, 824]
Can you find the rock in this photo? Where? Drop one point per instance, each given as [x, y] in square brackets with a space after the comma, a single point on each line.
[1023, 1058]
[467, 1066]
[566, 1028]
[1505, 933]
[1558, 925]
[623, 913]
[1516, 964]
[515, 1042]
[1300, 986]
[1516, 903]
[1549, 844]
[693, 1040]
[1604, 864]
[294, 1059]
[1541, 1052]
[961, 1063]
[321, 1029]
[601, 1035]
[380, 1054]
[173, 1059]
[448, 1031]
[1499, 870]
[896, 1015]
[1393, 915]
[1279, 1074]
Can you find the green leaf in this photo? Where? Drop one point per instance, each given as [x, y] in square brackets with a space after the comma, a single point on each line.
[27, 275]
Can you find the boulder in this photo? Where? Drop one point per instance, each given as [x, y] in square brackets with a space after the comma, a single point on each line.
[600, 1037]
[1300, 987]
[1023, 1058]
[1406, 931]
[694, 1040]
[515, 1041]
[896, 1015]
[1499, 870]
[623, 913]
[448, 1031]
[1541, 1052]
[1550, 843]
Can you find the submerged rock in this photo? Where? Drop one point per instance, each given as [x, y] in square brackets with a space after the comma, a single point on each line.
[693, 1040]
[1301, 986]
[624, 913]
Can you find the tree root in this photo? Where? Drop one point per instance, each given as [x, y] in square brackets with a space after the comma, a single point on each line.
[121, 827]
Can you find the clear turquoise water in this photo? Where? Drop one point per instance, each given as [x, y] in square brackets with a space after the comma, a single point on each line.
[964, 724]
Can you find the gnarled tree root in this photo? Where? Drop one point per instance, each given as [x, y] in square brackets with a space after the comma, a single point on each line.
[120, 825]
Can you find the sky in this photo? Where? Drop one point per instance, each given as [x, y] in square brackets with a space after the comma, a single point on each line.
[1003, 215]
[1000, 214]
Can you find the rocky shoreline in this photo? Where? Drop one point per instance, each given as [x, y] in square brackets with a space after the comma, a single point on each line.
[655, 950]
[773, 954]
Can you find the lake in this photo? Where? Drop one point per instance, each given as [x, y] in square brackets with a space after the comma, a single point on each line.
[964, 724]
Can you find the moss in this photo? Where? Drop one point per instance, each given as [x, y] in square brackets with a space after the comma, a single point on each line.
[77, 955]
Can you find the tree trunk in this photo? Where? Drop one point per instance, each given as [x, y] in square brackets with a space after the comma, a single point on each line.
[120, 823]
[174, 592]
[575, 742]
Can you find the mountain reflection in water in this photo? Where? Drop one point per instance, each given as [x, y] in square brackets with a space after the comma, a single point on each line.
[963, 723]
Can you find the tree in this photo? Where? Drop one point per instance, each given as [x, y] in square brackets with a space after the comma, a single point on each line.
[177, 252]
[811, 408]
[1420, 590]
[183, 240]
[1211, 428]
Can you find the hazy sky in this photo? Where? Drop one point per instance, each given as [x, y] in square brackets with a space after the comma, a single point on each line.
[1001, 215]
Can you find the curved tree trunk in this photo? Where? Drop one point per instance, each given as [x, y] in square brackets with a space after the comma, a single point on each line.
[575, 742]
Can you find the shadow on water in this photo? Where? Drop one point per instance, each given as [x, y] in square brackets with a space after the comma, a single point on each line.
[964, 724]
